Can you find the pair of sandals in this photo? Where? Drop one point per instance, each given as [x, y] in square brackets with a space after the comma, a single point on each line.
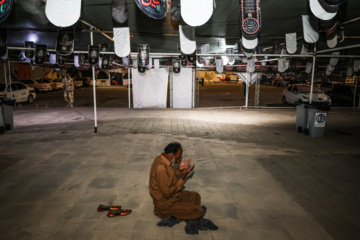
[113, 211]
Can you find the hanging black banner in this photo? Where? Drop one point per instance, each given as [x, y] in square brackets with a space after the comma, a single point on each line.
[153, 8]
[40, 54]
[65, 42]
[29, 53]
[94, 53]
[3, 43]
[250, 18]
[5, 9]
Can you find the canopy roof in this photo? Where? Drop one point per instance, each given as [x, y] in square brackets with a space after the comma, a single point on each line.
[28, 22]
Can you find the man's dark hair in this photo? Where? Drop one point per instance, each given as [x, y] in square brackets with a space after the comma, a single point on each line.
[172, 147]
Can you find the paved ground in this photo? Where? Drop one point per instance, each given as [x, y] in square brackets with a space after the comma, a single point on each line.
[259, 178]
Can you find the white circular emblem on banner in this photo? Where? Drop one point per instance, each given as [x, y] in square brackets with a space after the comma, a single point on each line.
[319, 11]
[187, 39]
[310, 34]
[291, 42]
[122, 41]
[219, 65]
[196, 12]
[332, 42]
[63, 13]
[349, 71]
[249, 44]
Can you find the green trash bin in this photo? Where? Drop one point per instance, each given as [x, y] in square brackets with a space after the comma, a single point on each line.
[7, 109]
[2, 124]
[301, 117]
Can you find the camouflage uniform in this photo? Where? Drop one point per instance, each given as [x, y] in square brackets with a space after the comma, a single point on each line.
[68, 84]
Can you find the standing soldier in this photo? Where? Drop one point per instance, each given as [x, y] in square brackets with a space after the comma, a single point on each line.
[68, 84]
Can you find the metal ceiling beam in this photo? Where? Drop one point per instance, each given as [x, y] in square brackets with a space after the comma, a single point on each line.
[350, 21]
[97, 29]
[161, 55]
[339, 48]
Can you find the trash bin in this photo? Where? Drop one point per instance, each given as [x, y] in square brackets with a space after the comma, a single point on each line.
[7, 106]
[317, 114]
[301, 117]
[2, 124]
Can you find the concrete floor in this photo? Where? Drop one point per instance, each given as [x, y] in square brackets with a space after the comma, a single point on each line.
[258, 177]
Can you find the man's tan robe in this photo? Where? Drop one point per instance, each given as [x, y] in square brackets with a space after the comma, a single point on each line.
[168, 197]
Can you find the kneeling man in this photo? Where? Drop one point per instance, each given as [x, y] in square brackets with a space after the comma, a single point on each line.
[171, 201]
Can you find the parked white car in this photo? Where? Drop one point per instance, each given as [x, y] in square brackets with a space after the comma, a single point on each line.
[300, 93]
[18, 91]
[39, 85]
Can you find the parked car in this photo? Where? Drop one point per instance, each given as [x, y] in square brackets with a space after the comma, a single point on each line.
[87, 82]
[84, 84]
[114, 82]
[116, 79]
[299, 80]
[343, 95]
[317, 82]
[46, 86]
[39, 85]
[328, 86]
[18, 91]
[103, 82]
[280, 82]
[78, 82]
[300, 93]
[56, 84]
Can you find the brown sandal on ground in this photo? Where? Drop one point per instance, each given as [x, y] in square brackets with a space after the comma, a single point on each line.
[119, 212]
[102, 208]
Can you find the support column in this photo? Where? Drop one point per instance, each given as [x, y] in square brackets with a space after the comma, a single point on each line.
[193, 87]
[247, 85]
[10, 78]
[171, 75]
[5, 77]
[312, 76]
[129, 85]
[197, 87]
[355, 91]
[257, 92]
[94, 83]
